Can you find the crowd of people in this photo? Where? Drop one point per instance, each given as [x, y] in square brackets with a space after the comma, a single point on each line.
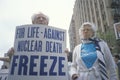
[90, 60]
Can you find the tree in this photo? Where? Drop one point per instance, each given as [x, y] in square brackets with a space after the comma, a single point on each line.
[109, 37]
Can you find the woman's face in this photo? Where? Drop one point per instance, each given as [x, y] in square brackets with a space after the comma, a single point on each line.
[86, 32]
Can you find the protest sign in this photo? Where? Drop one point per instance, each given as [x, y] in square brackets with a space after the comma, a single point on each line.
[39, 53]
[39, 39]
[38, 67]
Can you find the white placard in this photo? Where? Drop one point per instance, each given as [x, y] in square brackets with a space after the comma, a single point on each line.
[39, 54]
[39, 39]
[38, 67]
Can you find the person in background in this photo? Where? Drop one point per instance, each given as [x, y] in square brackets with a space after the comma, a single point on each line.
[117, 60]
[69, 55]
[92, 59]
[38, 18]
[69, 58]
[10, 53]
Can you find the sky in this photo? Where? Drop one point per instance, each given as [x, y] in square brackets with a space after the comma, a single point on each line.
[19, 12]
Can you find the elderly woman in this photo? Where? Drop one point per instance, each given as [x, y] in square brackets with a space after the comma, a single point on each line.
[92, 59]
[40, 18]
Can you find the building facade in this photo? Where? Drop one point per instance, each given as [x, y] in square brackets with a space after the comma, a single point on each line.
[104, 13]
[72, 35]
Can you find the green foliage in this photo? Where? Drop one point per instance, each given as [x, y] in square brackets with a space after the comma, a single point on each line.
[109, 37]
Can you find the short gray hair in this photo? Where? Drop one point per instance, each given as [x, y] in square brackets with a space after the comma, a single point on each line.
[93, 27]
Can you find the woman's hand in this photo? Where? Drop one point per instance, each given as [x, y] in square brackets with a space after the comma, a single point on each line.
[74, 76]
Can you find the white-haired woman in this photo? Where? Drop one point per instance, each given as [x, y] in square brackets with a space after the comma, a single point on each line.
[92, 59]
[40, 18]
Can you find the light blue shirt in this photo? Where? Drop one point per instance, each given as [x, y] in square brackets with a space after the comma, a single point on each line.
[88, 54]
